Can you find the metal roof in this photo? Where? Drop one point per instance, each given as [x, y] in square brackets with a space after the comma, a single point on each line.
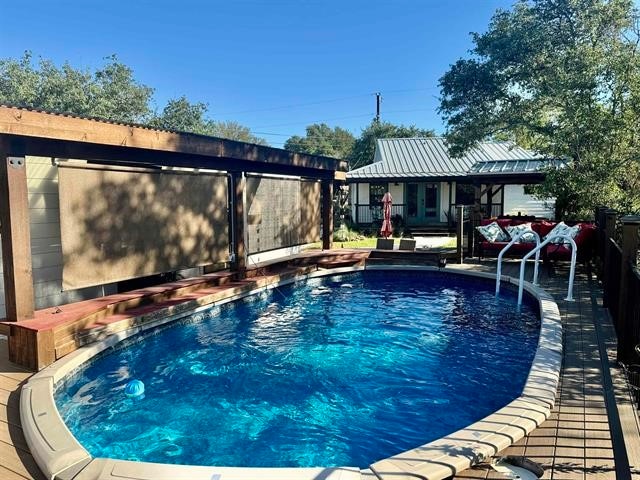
[512, 166]
[429, 157]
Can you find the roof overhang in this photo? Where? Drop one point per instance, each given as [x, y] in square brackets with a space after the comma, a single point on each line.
[29, 132]
[409, 178]
[507, 179]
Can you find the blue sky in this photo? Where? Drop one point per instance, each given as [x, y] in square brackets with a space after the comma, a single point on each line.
[273, 65]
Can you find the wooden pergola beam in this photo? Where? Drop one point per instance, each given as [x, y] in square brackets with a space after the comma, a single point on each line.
[73, 132]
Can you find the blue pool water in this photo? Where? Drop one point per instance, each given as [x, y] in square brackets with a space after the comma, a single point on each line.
[337, 371]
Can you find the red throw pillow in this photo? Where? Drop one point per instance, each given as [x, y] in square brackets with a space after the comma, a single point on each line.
[585, 233]
[542, 228]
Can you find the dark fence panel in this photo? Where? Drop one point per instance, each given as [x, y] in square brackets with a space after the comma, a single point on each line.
[611, 282]
[632, 308]
[617, 249]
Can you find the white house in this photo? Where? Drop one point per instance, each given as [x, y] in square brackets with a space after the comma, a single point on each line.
[426, 182]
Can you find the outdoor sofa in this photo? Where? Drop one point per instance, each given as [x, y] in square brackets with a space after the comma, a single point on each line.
[584, 240]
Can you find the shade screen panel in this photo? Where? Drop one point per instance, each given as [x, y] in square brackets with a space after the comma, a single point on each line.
[282, 213]
[118, 225]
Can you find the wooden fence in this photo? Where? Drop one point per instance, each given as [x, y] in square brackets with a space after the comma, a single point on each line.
[618, 247]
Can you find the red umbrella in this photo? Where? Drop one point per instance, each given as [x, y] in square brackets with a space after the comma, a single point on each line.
[386, 229]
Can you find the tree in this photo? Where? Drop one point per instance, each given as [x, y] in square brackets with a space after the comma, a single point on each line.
[561, 77]
[365, 146]
[183, 116]
[321, 139]
[234, 131]
[110, 92]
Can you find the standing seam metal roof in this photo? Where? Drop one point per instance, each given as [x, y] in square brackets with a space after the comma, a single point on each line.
[429, 157]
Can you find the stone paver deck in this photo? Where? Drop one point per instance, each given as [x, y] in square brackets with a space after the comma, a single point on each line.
[576, 442]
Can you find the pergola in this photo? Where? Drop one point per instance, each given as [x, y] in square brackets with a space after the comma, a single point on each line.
[26, 132]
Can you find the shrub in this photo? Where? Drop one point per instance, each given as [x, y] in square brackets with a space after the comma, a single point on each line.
[343, 234]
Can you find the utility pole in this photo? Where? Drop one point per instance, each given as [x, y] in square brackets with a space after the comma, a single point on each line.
[378, 98]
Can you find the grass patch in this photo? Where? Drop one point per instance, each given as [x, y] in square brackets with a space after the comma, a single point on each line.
[370, 242]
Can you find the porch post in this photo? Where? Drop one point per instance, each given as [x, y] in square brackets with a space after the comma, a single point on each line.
[16, 236]
[474, 221]
[327, 214]
[357, 203]
[449, 220]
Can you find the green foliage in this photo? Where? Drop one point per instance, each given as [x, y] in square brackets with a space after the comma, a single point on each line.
[183, 116]
[321, 139]
[398, 224]
[110, 93]
[344, 234]
[561, 77]
[234, 131]
[365, 146]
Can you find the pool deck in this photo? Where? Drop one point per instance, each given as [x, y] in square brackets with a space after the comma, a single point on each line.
[584, 437]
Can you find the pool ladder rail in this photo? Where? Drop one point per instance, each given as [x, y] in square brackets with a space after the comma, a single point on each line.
[536, 251]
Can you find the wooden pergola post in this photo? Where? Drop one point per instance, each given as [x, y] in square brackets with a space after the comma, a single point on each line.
[327, 214]
[237, 186]
[16, 236]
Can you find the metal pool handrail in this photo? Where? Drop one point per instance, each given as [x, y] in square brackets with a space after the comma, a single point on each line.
[572, 273]
[507, 247]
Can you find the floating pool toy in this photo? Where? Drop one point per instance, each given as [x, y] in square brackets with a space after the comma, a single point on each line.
[134, 388]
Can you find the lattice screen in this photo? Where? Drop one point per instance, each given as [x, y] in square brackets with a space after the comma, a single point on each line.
[282, 213]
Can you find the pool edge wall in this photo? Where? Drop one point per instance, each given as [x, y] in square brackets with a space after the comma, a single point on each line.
[60, 456]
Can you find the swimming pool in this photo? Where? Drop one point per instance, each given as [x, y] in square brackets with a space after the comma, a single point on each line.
[341, 370]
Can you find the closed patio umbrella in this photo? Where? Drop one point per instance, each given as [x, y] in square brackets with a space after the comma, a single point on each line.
[386, 229]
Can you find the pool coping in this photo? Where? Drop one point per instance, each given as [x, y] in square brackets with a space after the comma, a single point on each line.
[59, 455]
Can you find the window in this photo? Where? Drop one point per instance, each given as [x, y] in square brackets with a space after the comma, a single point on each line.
[412, 199]
[465, 194]
[430, 199]
[376, 192]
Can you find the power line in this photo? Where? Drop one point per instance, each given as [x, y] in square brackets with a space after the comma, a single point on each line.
[407, 90]
[316, 121]
[331, 100]
[284, 107]
[412, 110]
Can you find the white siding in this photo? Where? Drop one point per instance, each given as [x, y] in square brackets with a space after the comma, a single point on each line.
[444, 201]
[359, 195]
[363, 193]
[397, 193]
[516, 201]
[46, 249]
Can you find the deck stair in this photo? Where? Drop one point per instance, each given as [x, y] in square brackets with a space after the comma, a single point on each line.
[433, 231]
[403, 257]
[58, 331]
